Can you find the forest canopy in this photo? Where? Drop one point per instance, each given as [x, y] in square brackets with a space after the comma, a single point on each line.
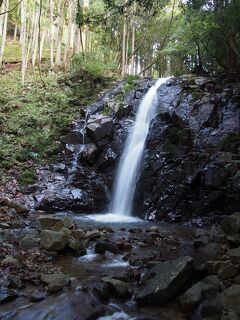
[135, 37]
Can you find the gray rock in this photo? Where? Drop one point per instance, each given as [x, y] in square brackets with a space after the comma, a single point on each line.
[78, 234]
[77, 305]
[53, 241]
[7, 295]
[234, 254]
[227, 270]
[102, 246]
[61, 280]
[29, 243]
[165, 281]
[231, 224]
[77, 245]
[93, 234]
[119, 287]
[100, 129]
[37, 296]
[226, 300]
[47, 221]
[207, 287]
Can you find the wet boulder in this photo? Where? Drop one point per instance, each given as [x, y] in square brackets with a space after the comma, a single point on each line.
[53, 241]
[100, 129]
[55, 282]
[164, 281]
[102, 246]
[231, 224]
[207, 287]
[73, 305]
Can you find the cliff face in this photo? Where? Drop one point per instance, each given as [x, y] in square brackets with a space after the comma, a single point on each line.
[192, 162]
[191, 168]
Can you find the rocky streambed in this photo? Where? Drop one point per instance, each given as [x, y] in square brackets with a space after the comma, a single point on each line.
[63, 268]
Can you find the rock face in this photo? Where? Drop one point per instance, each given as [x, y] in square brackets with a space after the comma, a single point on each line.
[191, 162]
[164, 281]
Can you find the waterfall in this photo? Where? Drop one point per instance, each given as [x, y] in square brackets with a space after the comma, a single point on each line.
[130, 163]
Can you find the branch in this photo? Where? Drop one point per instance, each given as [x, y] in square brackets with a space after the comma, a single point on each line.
[138, 47]
[10, 10]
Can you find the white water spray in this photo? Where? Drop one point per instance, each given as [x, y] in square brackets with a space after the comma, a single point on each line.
[129, 167]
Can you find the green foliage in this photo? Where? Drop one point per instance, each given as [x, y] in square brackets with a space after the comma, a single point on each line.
[130, 83]
[91, 65]
[27, 176]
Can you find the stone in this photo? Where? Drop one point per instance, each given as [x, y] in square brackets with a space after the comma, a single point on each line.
[119, 287]
[48, 221]
[226, 300]
[227, 270]
[37, 296]
[29, 243]
[153, 229]
[93, 234]
[53, 241]
[102, 246]
[207, 287]
[77, 245]
[9, 260]
[55, 282]
[165, 281]
[75, 304]
[78, 234]
[234, 255]
[7, 295]
[100, 129]
[15, 204]
[231, 224]
[67, 232]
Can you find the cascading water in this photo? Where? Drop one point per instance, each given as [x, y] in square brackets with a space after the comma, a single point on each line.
[129, 167]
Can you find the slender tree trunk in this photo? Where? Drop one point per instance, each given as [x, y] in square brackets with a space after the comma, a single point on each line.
[4, 34]
[133, 40]
[68, 37]
[23, 32]
[51, 7]
[124, 44]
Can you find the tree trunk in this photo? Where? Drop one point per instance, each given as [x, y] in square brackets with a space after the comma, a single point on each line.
[51, 8]
[23, 32]
[133, 41]
[124, 44]
[4, 34]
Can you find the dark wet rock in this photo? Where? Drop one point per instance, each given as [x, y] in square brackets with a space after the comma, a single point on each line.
[100, 129]
[9, 261]
[227, 300]
[7, 295]
[234, 255]
[62, 307]
[15, 204]
[118, 287]
[231, 224]
[207, 287]
[55, 282]
[47, 221]
[102, 246]
[53, 241]
[164, 281]
[37, 296]
[29, 243]
[227, 270]
[78, 234]
[93, 234]
[78, 246]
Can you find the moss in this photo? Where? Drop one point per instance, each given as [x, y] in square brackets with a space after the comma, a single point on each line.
[27, 176]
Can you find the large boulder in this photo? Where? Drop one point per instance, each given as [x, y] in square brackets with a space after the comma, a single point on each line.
[73, 305]
[53, 241]
[100, 129]
[231, 224]
[207, 287]
[165, 281]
